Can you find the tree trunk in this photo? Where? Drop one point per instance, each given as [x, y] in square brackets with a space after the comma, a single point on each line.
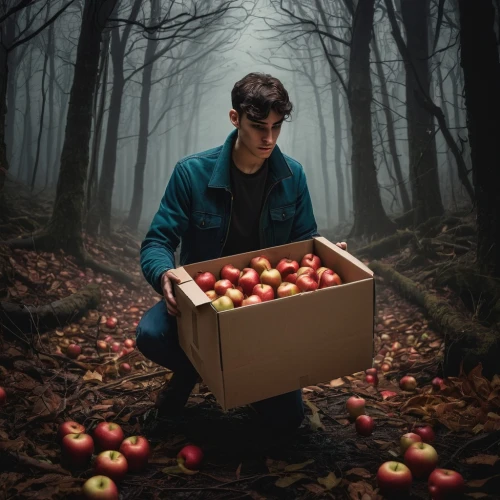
[60, 129]
[4, 71]
[481, 67]
[369, 216]
[10, 77]
[50, 129]
[27, 133]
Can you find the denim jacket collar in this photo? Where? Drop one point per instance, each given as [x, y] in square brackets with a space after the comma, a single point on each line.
[278, 167]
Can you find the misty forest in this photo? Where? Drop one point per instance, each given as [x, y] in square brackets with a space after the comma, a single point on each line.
[396, 123]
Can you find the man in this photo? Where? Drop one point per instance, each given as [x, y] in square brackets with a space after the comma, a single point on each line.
[239, 197]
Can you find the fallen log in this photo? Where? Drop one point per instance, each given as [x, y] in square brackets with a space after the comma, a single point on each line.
[56, 314]
[385, 246]
[466, 340]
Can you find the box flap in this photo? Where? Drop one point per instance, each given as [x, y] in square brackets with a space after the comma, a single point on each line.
[197, 296]
[181, 273]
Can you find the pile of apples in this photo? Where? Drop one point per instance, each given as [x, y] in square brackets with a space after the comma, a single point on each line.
[260, 282]
[420, 460]
[116, 457]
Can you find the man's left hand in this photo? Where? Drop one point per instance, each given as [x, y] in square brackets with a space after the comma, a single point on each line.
[342, 245]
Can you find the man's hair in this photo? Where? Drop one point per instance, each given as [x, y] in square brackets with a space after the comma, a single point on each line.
[257, 94]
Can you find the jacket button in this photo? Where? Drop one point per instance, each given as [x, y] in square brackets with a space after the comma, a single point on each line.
[283, 215]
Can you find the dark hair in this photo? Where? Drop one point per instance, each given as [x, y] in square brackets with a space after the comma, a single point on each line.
[257, 94]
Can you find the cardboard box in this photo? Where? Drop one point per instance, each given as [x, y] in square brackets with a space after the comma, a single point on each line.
[263, 350]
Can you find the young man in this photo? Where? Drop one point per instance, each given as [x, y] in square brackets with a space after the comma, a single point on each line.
[241, 196]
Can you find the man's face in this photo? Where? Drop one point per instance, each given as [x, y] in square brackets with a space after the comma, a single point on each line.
[258, 137]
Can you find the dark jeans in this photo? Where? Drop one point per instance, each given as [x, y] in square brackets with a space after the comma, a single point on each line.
[157, 339]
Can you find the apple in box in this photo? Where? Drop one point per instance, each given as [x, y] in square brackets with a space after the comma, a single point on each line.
[252, 299]
[205, 280]
[223, 303]
[248, 279]
[260, 264]
[291, 278]
[236, 296]
[211, 295]
[231, 273]
[309, 271]
[329, 278]
[221, 286]
[306, 284]
[271, 277]
[286, 267]
[287, 289]
[311, 260]
[265, 292]
[100, 488]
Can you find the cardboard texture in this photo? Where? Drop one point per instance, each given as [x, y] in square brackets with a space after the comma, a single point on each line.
[263, 350]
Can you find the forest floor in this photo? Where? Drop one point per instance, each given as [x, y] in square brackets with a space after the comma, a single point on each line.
[325, 459]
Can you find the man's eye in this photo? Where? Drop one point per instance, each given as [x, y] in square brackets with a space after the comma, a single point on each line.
[277, 126]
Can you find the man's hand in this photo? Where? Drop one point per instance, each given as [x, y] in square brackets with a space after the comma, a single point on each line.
[167, 279]
[342, 245]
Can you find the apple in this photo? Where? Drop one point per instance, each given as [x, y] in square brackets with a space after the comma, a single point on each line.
[286, 267]
[235, 295]
[116, 346]
[265, 292]
[69, 427]
[136, 450]
[221, 286]
[426, 433]
[252, 299]
[355, 406]
[223, 303]
[291, 278]
[248, 279]
[306, 284]
[329, 279]
[100, 488]
[436, 383]
[205, 280]
[260, 264]
[102, 346]
[407, 440]
[108, 436]
[190, 456]
[396, 346]
[111, 322]
[112, 464]
[77, 448]
[371, 371]
[421, 459]
[287, 289]
[109, 339]
[371, 379]
[394, 479]
[321, 270]
[231, 273]
[385, 367]
[3, 396]
[309, 271]
[364, 425]
[271, 277]
[129, 343]
[311, 260]
[211, 295]
[445, 484]
[408, 383]
[73, 351]
[124, 369]
[126, 350]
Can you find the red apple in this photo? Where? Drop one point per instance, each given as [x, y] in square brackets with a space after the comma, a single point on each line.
[372, 380]
[265, 292]
[371, 371]
[221, 286]
[329, 279]
[445, 484]
[385, 367]
[248, 279]
[231, 273]
[291, 278]
[436, 383]
[108, 436]
[355, 406]
[111, 322]
[426, 433]
[205, 280]
[102, 346]
[260, 264]
[287, 289]
[136, 450]
[73, 351]
[112, 464]
[286, 267]
[129, 343]
[236, 296]
[408, 383]
[311, 260]
[69, 427]
[223, 303]
[321, 270]
[421, 459]
[271, 277]
[190, 456]
[124, 368]
[394, 479]
[3, 396]
[309, 271]
[109, 339]
[364, 425]
[77, 448]
[306, 284]
[211, 295]
[100, 488]
[407, 440]
[116, 346]
[252, 299]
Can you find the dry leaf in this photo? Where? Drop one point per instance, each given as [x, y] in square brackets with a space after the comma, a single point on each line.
[358, 471]
[294, 467]
[275, 465]
[383, 444]
[285, 481]
[238, 471]
[482, 459]
[90, 375]
[330, 481]
[479, 483]
[336, 382]
[315, 489]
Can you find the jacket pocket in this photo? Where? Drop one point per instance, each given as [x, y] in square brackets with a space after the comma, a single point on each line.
[282, 221]
[205, 221]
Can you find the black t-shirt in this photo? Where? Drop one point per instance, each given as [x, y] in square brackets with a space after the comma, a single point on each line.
[248, 196]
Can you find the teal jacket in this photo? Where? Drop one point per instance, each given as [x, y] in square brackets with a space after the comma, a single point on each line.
[196, 209]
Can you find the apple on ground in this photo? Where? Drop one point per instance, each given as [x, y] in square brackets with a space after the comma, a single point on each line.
[124, 369]
[436, 383]
[271, 277]
[426, 432]
[311, 260]
[286, 267]
[235, 295]
[287, 289]
[394, 479]
[407, 440]
[129, 343]
[371, 371]
[364, 425]
[329, 279]
[3, 396]
[252, 299]
[221, 286]
[385, 367]
[77, 448]
[445, 484]
[102, 346]
[109, 339]
[211, 294]
[291, 278]
[108, 436]
[111, 322]
[112, 464]
[260, 264]
[371, 379]
[355, 406]
[421, 459]
[69, 427]
[408, 383]
[73, 351]
[231, 273]
[306, 283]
[223, 303]
[248, 279]
[309, 271]
[265, 292]
[136, 450]
[116, 346]
[205, 280]
[190, 456]
[100, 488]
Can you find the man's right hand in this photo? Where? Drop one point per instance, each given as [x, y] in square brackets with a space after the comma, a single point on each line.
[167, 280]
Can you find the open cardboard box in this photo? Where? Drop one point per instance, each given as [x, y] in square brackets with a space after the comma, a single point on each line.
[263, 350]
